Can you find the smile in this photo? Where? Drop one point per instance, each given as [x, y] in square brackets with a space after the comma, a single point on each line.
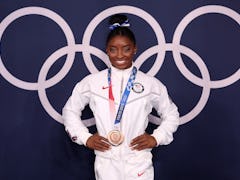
[120, 60]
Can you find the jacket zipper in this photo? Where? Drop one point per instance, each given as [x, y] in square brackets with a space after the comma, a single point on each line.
[121, 90]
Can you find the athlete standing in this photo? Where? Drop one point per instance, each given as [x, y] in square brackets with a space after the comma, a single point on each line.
[121, 98]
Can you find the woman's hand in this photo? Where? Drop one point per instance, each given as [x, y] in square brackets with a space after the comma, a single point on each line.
[143, 141]
[97, 142]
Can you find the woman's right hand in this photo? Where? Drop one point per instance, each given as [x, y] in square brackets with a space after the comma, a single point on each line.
[97, 142]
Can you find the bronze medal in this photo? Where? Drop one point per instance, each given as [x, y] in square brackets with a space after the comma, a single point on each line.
[115, 137]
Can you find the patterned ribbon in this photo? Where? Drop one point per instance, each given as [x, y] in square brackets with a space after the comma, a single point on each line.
[124, 96]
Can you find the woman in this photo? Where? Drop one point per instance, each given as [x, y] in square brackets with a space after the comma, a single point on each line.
[121, 98]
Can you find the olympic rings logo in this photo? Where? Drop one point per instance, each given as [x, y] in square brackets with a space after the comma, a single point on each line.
[206, 83]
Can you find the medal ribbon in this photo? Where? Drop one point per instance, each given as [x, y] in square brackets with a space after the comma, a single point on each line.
[124, 96]
[110, 96]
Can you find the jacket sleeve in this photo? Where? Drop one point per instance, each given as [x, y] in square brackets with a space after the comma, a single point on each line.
[72, 112]
[168, 113]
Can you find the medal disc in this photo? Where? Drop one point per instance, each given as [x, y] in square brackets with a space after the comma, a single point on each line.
[115, 137]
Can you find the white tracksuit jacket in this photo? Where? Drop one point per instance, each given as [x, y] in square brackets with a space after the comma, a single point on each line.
[120, 162]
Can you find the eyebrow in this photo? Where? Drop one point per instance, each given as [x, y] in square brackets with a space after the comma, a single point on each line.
[123, 46]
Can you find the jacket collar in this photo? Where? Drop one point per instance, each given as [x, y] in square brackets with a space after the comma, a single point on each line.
[122, 71]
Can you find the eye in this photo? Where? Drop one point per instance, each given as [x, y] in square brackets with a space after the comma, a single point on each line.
[127, 49]
[112, 50]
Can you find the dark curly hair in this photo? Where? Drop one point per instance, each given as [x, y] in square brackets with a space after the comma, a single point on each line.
[120, 30]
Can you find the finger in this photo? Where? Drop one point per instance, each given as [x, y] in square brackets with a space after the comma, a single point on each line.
[138, 140]
[103, 144]
[143, 138]
[101, 138]
[140, 146]
[99, 146]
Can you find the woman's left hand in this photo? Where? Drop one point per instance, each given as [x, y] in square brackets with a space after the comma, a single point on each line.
[143, 141]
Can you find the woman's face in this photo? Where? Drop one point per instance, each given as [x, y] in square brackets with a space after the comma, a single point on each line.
[120, 50]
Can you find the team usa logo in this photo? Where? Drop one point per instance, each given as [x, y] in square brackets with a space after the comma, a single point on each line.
[138, 87]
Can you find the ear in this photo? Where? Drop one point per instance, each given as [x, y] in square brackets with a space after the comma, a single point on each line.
[135, 50]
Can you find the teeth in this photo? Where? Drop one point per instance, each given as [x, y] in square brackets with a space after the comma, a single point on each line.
[120, 61]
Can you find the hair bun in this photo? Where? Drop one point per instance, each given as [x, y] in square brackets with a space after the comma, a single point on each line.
[118, 20]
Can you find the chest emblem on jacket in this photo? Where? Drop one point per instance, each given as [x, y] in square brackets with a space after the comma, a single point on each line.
[138, 87]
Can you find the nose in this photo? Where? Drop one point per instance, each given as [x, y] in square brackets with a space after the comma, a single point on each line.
[119, 54]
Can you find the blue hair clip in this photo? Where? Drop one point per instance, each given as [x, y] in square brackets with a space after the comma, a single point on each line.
[124, 24]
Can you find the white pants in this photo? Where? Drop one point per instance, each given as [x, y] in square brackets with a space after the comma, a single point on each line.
[129, 169]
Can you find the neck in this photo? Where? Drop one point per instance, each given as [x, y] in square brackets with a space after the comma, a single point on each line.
[121, 69]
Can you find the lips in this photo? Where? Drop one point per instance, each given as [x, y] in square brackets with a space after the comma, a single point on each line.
[121, 61]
